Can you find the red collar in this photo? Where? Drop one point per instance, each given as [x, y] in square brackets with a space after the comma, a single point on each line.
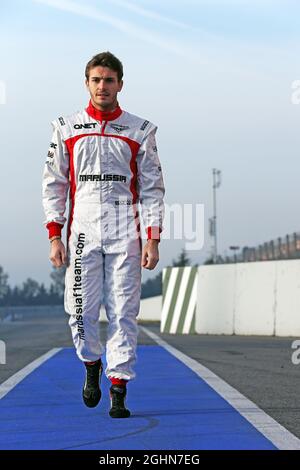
[103, 115]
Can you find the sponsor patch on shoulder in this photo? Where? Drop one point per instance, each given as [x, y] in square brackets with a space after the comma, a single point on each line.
[144, 125]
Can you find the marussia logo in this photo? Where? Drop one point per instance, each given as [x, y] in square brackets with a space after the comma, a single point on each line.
[118, 128]
[102, 177]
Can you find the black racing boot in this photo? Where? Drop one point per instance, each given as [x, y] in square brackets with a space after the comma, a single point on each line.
[91, 392]
[117, 402]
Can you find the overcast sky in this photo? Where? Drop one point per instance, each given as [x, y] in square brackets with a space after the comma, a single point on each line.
[215, 76]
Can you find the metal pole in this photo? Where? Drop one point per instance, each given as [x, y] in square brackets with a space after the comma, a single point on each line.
[216, 184]
[214, 217]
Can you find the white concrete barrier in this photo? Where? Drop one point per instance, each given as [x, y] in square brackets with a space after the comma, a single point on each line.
[215, 300]
[254, 303]
[259, 298]
[287, 321]
[150, 310]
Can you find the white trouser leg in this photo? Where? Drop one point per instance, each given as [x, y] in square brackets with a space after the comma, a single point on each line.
[122, 288]
[83, 295]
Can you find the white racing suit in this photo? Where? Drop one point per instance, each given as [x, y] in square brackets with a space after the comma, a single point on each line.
[108, 162]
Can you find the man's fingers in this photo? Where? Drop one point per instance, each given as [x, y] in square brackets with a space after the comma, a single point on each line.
[56, 262]
[63, 256]
[58, 258]
[151, 262]
[144, 258]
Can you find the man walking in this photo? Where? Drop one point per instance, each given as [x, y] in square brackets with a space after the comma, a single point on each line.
[107, 159]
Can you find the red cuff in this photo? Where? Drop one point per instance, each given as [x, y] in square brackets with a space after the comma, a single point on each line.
[116, 381]
[54, 229]
[153, 233]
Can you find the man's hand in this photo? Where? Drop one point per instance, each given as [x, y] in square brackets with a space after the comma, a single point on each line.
[57, 253]
[150, 256]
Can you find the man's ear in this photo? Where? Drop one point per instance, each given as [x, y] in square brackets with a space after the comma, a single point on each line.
[86, 84]
[120, 85]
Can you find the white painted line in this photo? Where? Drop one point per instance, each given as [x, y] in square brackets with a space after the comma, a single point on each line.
[10, 383]
[275, 432]
[180, 298]
[191, 308]
[168, 297]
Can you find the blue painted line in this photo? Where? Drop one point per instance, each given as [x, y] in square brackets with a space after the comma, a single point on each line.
[172, 408]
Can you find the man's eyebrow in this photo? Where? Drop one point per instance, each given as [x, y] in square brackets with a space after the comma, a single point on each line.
[103, 77]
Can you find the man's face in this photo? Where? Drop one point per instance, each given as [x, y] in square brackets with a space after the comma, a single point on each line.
[103, 86]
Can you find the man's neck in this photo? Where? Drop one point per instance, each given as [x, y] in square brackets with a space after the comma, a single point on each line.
[106, 115]
[105, 109]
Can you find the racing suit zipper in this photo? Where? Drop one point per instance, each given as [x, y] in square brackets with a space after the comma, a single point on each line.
[103, 125]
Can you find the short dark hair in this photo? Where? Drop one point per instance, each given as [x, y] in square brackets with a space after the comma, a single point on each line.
[105, 59]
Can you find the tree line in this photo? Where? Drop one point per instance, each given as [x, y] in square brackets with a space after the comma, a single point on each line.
[31, 292]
